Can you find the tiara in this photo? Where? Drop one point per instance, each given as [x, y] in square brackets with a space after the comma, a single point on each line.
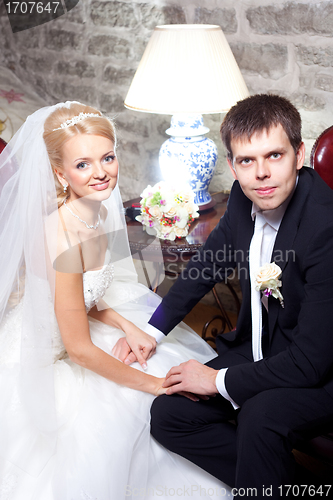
[76, 119]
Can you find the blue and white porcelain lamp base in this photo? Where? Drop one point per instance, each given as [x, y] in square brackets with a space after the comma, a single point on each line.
[189, 157]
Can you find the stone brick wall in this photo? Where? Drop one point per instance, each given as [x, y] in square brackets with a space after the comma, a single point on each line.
[91, 54]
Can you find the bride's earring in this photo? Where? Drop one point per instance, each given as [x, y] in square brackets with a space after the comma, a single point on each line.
[65, 188]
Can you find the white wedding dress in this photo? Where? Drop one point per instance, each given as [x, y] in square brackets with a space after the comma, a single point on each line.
[104, 450]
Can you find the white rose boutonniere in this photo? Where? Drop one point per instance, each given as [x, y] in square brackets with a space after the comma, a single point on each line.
[267, 281]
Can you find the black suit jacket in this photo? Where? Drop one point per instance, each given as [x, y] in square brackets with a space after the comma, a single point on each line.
[299, 351]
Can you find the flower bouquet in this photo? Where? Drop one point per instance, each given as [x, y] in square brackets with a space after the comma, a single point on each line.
[167, 211]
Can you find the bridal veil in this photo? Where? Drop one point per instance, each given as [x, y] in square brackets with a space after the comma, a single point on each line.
[28, 251]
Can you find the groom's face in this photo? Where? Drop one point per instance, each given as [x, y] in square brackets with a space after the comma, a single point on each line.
[266, 166]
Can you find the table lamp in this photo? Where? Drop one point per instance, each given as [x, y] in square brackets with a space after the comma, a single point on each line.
[186, 71]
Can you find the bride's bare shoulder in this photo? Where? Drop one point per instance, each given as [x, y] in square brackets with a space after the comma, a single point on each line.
[63, 244]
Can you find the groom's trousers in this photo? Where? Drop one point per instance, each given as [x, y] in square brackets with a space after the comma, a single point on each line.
[246, 448]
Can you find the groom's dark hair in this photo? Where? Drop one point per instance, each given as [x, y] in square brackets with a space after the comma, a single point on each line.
[257, 113]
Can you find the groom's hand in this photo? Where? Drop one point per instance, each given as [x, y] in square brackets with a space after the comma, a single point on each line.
[192, 377]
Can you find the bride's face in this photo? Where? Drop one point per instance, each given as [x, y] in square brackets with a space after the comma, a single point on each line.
[90, 167]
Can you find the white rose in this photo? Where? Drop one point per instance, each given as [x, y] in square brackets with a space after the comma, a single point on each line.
[164, 229]
[181, 233]
[155, 211]
[171, 212]
[144, 219]
[267, 273]
[167, 233]
[267, 280]
[172, 235]
[189, 208]
[181, 223]
[182, 213]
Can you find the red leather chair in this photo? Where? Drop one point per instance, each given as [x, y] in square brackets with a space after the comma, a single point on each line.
[3, 144]
[321, 159]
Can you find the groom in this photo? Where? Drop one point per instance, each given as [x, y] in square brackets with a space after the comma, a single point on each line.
[273, 377]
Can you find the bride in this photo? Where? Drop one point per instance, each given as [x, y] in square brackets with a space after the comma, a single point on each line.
[74, 420]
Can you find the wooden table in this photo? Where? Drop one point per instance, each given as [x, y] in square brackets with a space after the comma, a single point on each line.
[182, 249]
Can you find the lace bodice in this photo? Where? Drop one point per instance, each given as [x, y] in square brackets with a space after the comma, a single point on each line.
[95, 284]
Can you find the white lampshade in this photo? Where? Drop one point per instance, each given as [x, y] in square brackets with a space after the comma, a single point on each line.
[186, 69]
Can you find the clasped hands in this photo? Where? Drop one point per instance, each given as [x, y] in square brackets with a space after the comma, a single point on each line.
[191, 378]
[136, 346]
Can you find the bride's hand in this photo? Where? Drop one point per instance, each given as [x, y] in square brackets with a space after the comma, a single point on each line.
[121, 350]
[142, 345]
[162, 390]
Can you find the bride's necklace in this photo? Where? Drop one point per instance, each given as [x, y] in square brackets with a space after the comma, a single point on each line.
[83, 221]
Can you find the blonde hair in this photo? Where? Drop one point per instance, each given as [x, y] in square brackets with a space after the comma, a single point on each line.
[55, 139]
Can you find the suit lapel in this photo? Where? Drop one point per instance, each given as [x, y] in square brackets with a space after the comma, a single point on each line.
[245, 227]
[285, 238]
